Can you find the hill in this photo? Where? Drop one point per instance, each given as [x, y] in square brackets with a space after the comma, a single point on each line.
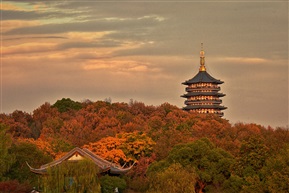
[215, 155]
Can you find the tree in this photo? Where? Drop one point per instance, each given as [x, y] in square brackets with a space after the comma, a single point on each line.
[110, 183]
[276, 172]
[6, 159]
[252, 157]
[80, 176]
[26, 152]
[54, 123]
[13, 186]
[250, 161]
[211, 164]
[136, 145]
[174, 179]
[18, 123]
[66, 104]
[137, 176]
[124, 148]
[40, 116]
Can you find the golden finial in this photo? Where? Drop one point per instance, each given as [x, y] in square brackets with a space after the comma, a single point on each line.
[202, 59]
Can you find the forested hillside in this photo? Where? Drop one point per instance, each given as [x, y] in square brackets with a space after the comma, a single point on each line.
[175, 151]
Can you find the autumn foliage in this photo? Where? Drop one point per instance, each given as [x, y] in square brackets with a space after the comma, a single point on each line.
[124, 148]
[160, 139]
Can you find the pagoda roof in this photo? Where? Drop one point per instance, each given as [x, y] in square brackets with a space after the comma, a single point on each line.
[189, 94]
[203, 77]
[77, 154]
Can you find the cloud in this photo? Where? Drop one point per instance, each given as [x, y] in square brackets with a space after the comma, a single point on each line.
[22, 15]
[28, 48]
[244, 60]
[95, 44]
[119, 66]
[91, 55]
[9, 6]
[9, 25]
[37, 11]
[35, 37]
[97, 25]
[87, 36]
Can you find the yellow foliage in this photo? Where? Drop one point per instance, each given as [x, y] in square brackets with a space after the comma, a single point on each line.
[123, 148]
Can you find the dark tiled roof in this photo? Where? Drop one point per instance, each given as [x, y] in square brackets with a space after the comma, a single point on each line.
[190, 107]
[202, 77]
[103, 164]
[189, 94]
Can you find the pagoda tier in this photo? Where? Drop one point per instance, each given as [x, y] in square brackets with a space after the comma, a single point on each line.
[203, 92]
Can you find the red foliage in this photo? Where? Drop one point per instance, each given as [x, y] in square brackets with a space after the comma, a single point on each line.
[18, 123]
[166, 124]
[142, 165]
[14, 186]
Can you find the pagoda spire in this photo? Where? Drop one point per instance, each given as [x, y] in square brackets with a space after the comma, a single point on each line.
[202, 59]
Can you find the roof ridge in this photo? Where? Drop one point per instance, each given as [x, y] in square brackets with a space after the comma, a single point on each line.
[202, 77]
[103, 164]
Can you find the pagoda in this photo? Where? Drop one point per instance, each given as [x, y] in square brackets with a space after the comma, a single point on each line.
[203, 92]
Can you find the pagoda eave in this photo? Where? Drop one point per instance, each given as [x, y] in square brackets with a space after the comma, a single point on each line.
[202, 77]
[204, 107]
[190, 94]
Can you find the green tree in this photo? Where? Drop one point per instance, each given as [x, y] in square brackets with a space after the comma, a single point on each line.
[80, 177]
[252, 157]
[253, 184]
[174, 179]
[233, 184]
[26, 152]
[110, 183]
[249, 163]
[276, 172]
[66, 104]
[6, 159]
[211, 164]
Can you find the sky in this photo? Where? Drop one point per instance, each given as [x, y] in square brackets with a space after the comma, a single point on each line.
[144, 50]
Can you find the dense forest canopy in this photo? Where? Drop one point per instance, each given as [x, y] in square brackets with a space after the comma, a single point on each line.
[175, 151]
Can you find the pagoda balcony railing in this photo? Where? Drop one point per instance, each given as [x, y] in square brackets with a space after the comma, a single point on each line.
[204, 100]
[206, 86]
[210, 88]
[198, 101]
[219, 113]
